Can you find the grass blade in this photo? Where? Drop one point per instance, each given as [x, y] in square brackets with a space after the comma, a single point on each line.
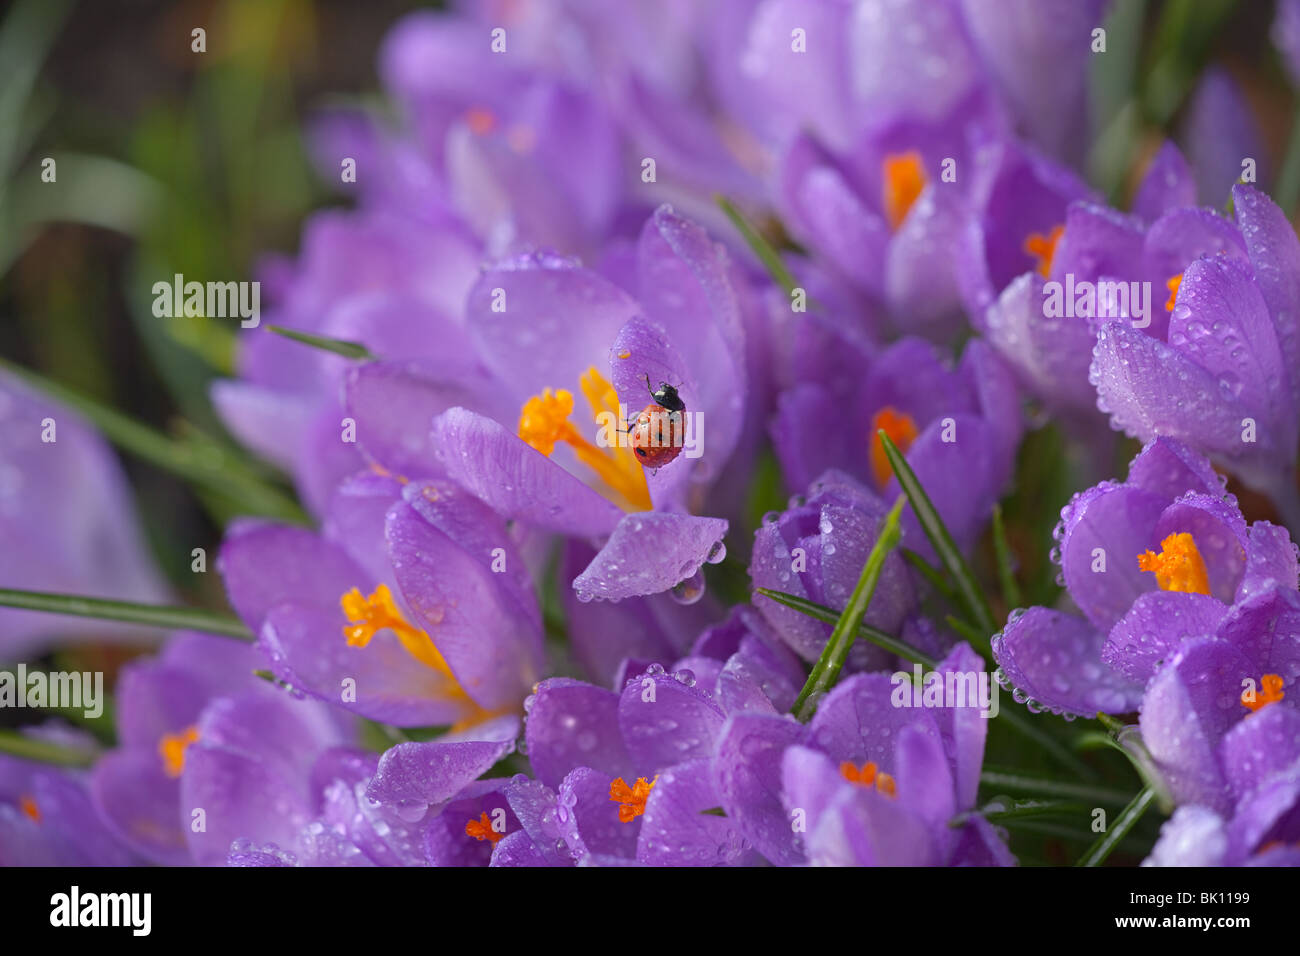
[352, 350]
[1006, 573]
[827, 669]
[968, 589]
[770, 258]
[42, 751]
[1119, 829]
[831, 616]
[150, 615]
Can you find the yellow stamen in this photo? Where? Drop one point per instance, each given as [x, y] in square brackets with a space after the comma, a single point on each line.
[29, 808]
[544, 421]
[369, 615]
[631, 799]
[1270, 693]
[904, 179]
[1043, 248]
[901, 429]
[867, 775]
[1172, 284]
[172, 749]
[1179, 565]
[481, 829]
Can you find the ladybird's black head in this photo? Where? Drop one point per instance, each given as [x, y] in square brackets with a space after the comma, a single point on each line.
[666, 395]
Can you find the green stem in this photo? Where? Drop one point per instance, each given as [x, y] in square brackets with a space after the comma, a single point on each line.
[352, 350]
[150, 615]
[827, 669]
[1025, 783]
[770, 258]
[42, 751]
[1125, 822]
[878, 637]
[968, 588]
[1006, 572]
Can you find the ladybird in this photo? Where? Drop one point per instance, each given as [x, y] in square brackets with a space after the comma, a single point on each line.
[657, 432]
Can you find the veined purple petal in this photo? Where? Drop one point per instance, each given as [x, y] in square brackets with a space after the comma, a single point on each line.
[1154, 627]
[1167, 184]
[572, 724]
[1188, 707]
[648, 553]
[665, 722]
[747, 775]
[1055, 659]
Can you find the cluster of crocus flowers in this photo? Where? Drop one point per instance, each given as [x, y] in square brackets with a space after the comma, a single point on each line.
[495, 647]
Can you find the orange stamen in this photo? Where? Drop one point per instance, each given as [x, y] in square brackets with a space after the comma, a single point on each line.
[1043, 248]
[904, 179]
[29, 808]
[172, 749]
[367, 616]
[1172, 285]
[901, 429]
[481, 829]
[868, 775]
[1179, 565]
[631, 799]
[1270, 693]
[480, 121]
[544, 422]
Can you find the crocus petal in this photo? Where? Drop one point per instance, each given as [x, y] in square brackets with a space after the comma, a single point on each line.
[665, 721]
[515, 479]
[1266, 629]
[1264, 741]
[1221, 322]
[572, 724]
[1167, 184]
[308, 650]
[1154, 627]
[589, 819]
[550, 322]
[1054, 659]
[747, 775]
[1102, 532]
[1188, 707]
[264, 565]
[490, 642]
[1270, 561]
[141, 804]
[676, 830]
[650, 552]
[1193, 836]
[1220, 131]
[1275, 257]
[1150, 389]
[1170, 469]
[416, 776]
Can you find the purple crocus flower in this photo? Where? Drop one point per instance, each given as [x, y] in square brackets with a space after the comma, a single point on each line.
[1160, 559]
[413, 608]
[159, 702]
[865, 783]
[958, 428]
[541, 326]
[1224, 381]
[47, 817]
[69, 520]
